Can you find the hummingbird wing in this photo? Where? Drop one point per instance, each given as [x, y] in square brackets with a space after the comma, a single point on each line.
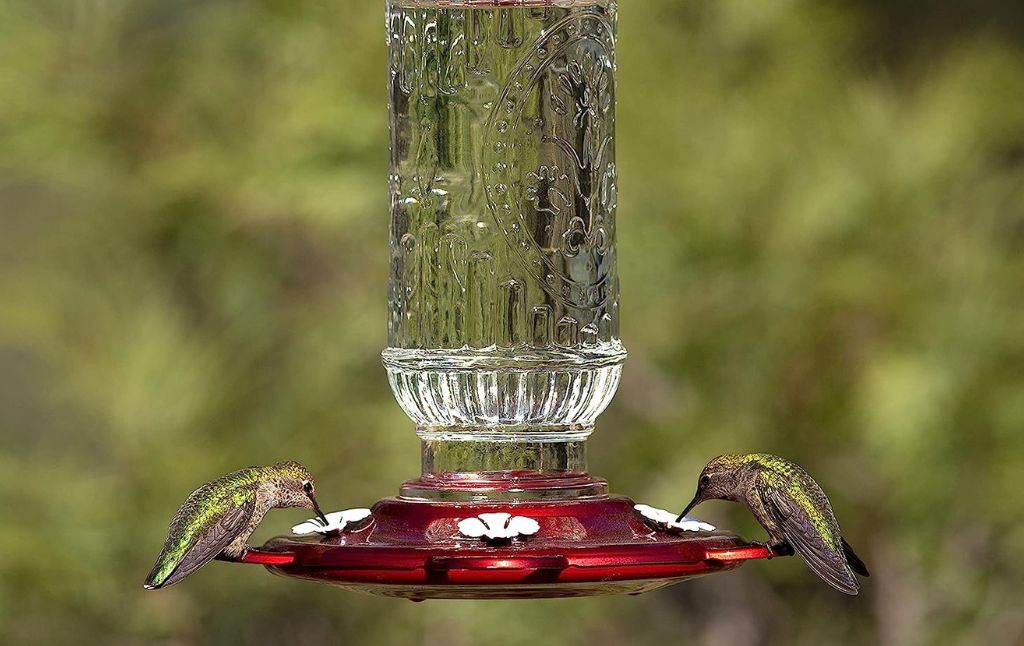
[210, 543]
[806, 537]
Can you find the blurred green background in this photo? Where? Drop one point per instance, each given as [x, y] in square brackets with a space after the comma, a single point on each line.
[822, 255]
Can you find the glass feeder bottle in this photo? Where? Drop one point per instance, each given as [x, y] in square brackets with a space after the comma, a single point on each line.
[504, 298]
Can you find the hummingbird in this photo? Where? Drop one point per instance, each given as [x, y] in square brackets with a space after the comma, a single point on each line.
[791, 507]
[216, 520]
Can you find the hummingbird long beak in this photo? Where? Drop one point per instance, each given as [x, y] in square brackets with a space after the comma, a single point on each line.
[316, 508]
[693, 503]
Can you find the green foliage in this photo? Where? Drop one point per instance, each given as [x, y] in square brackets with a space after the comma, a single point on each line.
[821, 255]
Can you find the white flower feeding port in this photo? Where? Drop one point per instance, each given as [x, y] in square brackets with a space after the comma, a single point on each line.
[337, 521]
[666, 520]
[498, 526]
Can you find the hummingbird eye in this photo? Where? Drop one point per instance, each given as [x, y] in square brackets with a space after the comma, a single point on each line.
[307, 486]
[705, 481]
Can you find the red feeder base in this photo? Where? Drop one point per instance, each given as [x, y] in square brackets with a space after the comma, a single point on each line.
[415, 550]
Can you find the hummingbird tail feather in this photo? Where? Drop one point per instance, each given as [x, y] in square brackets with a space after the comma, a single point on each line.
[854, 560]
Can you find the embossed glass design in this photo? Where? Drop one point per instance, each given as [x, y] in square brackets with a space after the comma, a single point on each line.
[504, 297]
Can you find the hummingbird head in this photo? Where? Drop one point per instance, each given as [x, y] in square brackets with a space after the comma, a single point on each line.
[718, 481]
[297, 487]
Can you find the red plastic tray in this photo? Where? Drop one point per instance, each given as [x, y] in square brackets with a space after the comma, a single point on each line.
[585, 547]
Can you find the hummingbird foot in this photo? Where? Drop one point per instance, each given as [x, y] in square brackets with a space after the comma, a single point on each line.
[233, 556]
[778, 549]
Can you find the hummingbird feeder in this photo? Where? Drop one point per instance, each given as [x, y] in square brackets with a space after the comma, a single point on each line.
[503, 322]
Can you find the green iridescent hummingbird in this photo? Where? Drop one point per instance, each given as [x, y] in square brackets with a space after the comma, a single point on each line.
[217, 519]
[791, 506]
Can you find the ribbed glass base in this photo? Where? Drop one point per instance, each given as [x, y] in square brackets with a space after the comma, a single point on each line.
[495, 389]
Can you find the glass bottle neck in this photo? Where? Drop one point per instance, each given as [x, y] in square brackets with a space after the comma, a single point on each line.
[507, 471]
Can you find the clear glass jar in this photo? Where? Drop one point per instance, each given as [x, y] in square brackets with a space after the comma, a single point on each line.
[504, 295]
